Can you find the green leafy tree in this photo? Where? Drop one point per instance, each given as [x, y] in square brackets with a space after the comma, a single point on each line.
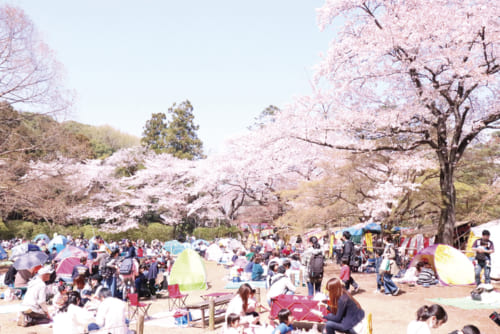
[175, 135]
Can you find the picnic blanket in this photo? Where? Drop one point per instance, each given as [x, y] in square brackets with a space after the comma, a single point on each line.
[253, 284]
[466, 303]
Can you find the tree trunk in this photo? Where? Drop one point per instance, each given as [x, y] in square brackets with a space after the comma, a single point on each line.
[446, 224]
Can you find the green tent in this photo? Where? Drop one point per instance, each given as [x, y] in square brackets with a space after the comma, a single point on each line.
[189, 272]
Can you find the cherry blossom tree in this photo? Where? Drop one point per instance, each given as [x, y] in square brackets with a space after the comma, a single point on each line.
[402, 75]
[30, 77]
[249, 175]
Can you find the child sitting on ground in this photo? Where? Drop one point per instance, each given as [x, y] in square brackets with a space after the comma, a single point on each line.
[286, 321]
[233, 324]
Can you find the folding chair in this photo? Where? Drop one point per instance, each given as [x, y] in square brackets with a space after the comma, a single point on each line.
[134, 305]
[175, 297]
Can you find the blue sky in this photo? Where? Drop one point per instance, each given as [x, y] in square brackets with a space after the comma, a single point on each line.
[230, 58]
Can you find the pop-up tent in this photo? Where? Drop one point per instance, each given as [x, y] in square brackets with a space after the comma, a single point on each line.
[450, 265]
[59, 242]
[175, 247]
[71, 251]
[43, 237]
[189, 272]
[65, 268]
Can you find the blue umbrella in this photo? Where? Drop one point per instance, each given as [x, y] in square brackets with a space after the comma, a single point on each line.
[30, 260]
[22, 249]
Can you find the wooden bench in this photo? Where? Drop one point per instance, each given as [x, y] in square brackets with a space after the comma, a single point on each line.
[219, 307]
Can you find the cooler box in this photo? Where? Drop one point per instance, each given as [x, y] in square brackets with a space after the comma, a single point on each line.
[181, 317]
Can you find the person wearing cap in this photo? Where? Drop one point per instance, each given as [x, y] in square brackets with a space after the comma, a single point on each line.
[92, 288]
[35, 300]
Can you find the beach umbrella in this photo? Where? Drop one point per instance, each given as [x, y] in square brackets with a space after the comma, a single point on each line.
[43, 237]
[30, 260]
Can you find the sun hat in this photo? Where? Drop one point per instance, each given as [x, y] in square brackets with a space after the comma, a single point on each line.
[45, 270]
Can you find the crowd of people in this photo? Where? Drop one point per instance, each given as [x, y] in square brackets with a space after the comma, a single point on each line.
[94, 298]
[95, 295]
[282, 269]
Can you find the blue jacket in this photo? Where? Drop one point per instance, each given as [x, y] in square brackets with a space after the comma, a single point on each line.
[257, 272]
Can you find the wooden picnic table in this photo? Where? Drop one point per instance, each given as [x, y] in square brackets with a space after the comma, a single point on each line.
[218, 302]
[215, 295]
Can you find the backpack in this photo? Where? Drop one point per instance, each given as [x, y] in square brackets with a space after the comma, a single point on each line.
[316, 266]
[126, 267]
[106, 270]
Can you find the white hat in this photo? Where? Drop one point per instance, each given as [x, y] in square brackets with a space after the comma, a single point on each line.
[45, 270]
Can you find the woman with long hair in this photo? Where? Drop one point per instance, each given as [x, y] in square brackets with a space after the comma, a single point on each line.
[239, 305]
[346, 315]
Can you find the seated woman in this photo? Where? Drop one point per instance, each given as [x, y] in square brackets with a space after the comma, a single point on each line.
[426, 275]
[240, 305]
[258, 270]
[346, 314]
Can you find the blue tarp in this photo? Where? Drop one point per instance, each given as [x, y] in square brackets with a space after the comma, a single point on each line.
[372, 227]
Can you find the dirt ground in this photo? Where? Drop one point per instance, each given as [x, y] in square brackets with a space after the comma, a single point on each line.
[390, 314]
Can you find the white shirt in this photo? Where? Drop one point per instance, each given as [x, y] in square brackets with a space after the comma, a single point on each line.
[35, 295]
[418, 327]
[111, 315]
[281, 284]
[74, 321]
[235, 306]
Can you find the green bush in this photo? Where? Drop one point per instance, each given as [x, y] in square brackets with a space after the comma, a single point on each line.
[151, 231]
[210, 233]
